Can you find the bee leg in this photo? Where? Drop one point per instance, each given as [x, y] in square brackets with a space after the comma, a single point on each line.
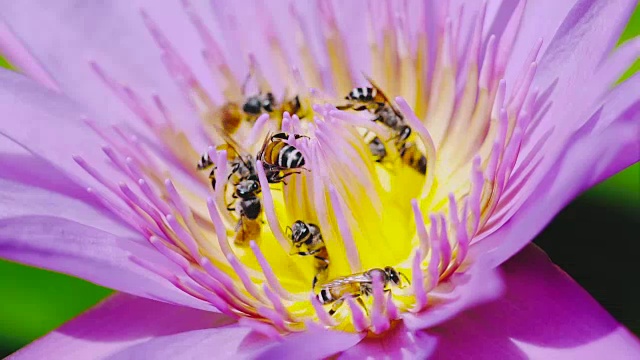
[336, 305]
[361, 303]
[322, 272]
[405, 279]
[295, 172]
[229, 205]
[285, 175]
[305, 253]
[245, 83]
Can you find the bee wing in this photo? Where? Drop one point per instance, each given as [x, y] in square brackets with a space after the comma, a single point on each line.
[264, 145]
[230, 143]
[375, 85]
[258, 75]
[382, 93]
[355, 278]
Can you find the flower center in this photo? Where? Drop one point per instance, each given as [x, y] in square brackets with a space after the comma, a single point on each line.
[338, 205]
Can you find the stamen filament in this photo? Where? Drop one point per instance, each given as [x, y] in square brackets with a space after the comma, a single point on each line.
[360, 321]
[345, 231]
[269, 208]
[434, 258]
[240, 270]
[220, 229]
[271, 278]
[421, 229]
[221, 173]
[320, 312]
[152, 196]
[379, 320]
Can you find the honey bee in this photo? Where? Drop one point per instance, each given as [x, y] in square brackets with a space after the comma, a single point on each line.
[242, 166]
[249, 108]
[279, 158]
[365, 98]
[357, 285]
[246, 188]
[231, 116]
[391, 118]
[206, 163]
[249, 209]
[309, 235]
[244, 108]
[292, 106]
[258, 104]
[413, 157]
[376, 147]
[375, 101]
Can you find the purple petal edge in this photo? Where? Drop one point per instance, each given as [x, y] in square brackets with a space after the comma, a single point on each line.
[544, 314]
[117, 323]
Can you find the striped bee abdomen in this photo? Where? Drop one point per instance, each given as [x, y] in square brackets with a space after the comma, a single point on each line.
[290, 158]
[204, 162]
[281, 155]
[324, 296]
[362, 94]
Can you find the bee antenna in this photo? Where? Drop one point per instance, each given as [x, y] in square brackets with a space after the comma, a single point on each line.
[245, 83]
[364, 74]
[288, 230]
[404, 277]
[344, 107]
[239, 156]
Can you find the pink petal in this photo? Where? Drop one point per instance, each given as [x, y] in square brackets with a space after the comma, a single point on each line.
[620, 104]
[543, 315]
[397, 343]
[541, 20]
[118, 323]
[30, 185]
[479, 284]
[100, 257]
[315, 343]
[573, 70]
[49, 125]
[582, 163]
[588, 33]
[237, 342]
[225, 342]
[48, 221]
[113, 35]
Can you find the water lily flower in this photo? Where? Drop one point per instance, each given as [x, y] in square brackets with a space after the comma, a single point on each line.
[506, 111]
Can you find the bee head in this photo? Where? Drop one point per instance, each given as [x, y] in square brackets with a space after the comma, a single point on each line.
[299, 231]
[268, 102]
[405, 132]
[253, 105]
[395, 277]
[247, 188]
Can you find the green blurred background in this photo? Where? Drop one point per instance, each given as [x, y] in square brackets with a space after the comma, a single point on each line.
[581, 237]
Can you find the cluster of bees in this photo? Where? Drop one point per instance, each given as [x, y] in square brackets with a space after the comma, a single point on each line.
[281, 160]
[373, 100]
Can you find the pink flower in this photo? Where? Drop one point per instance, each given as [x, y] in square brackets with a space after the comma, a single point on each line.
[512, 110]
